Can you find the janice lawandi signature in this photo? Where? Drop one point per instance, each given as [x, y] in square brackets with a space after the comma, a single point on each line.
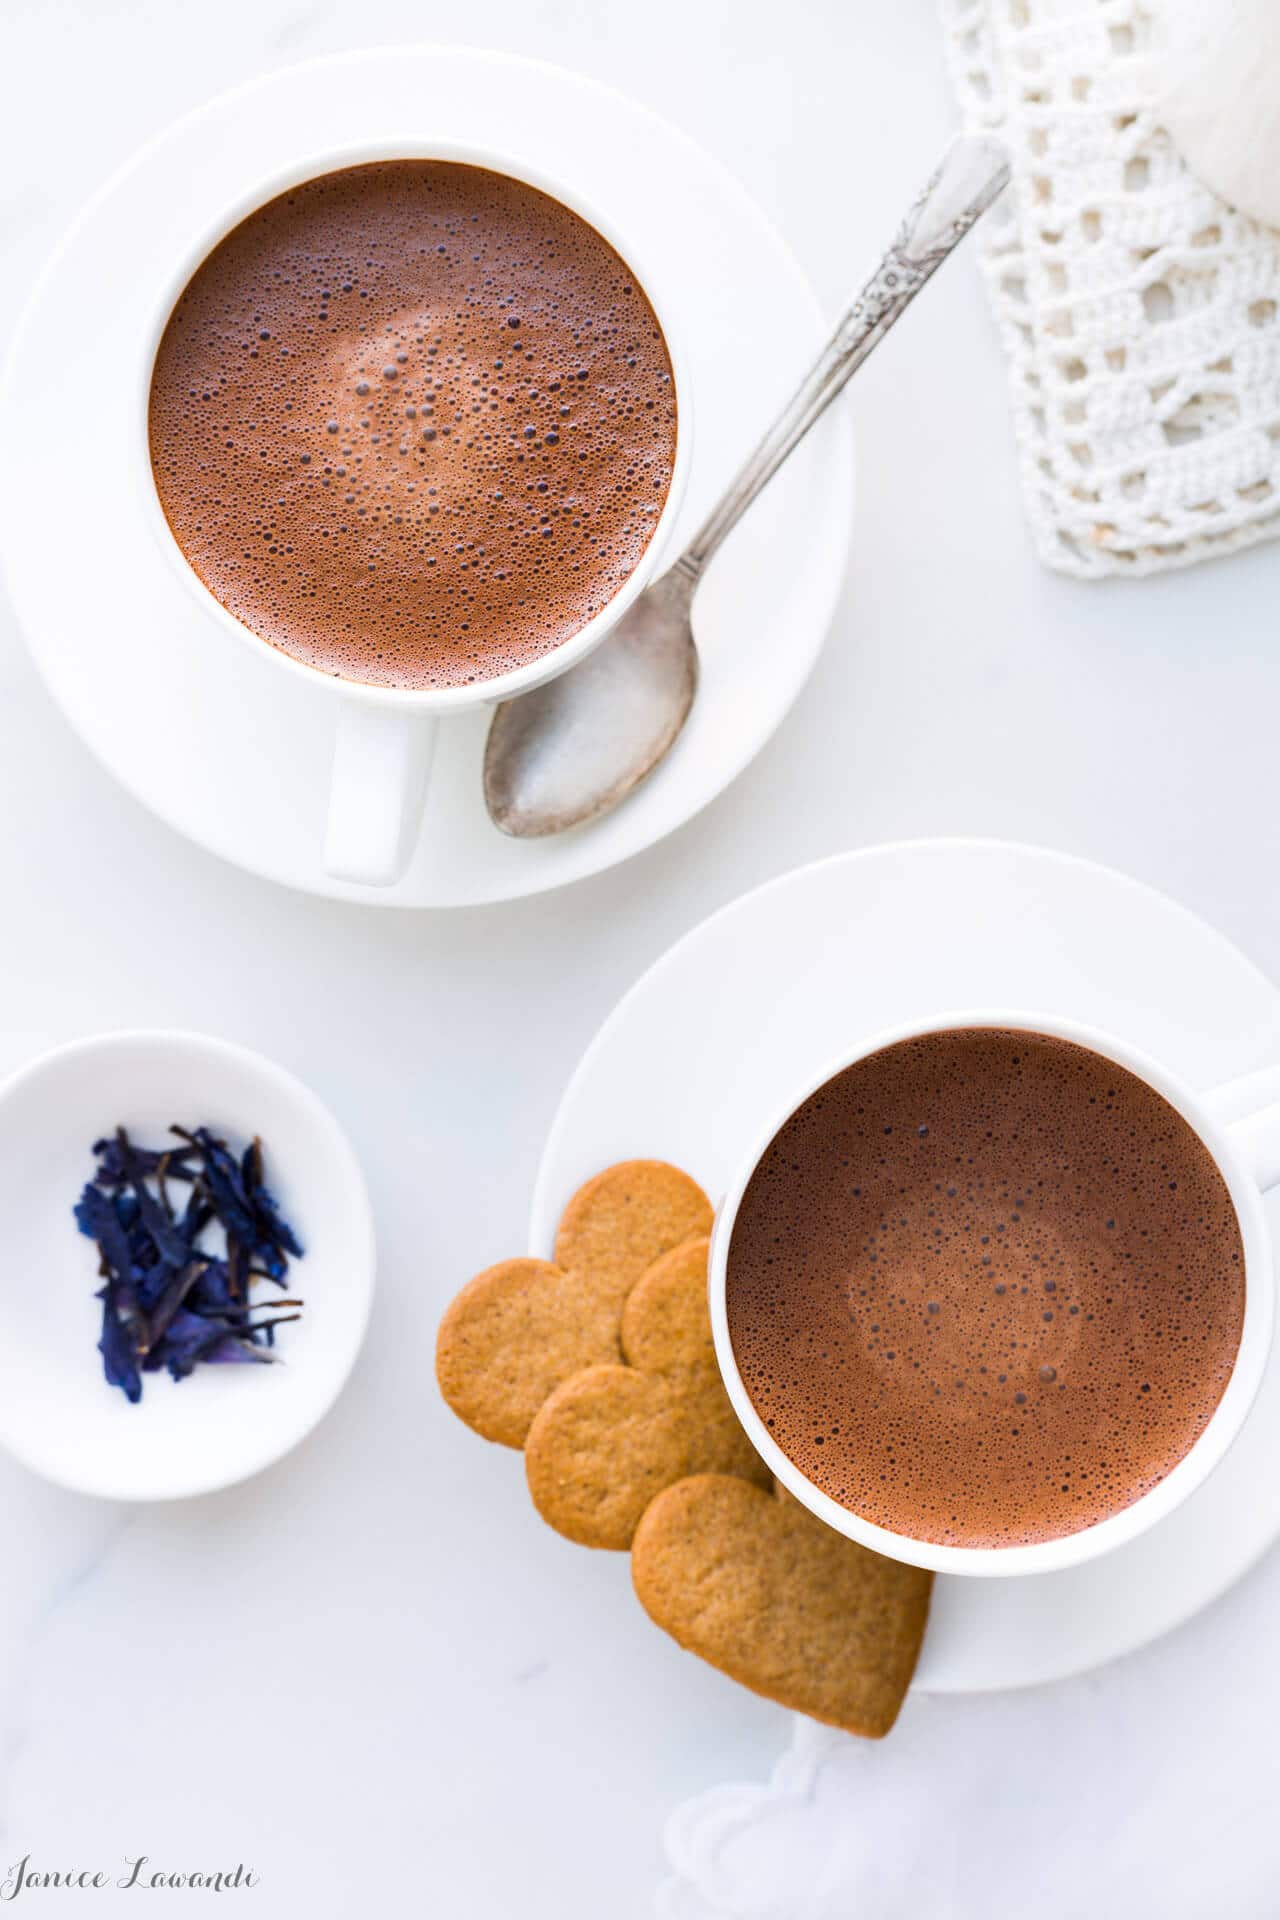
[138, 1872]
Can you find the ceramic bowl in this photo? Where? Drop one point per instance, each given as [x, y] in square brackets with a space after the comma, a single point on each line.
[58, 1415]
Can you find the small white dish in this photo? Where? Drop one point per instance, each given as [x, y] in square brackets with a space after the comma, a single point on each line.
[750, 1005]
[124, 644]
[58, 1415]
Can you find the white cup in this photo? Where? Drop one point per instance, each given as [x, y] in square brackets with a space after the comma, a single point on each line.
[1239, 1124]
[385, 736]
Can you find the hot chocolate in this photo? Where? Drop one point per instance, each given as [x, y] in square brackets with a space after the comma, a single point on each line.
[413, 423]
[985, 1288]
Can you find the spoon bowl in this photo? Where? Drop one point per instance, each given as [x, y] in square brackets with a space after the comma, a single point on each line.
[572, 749]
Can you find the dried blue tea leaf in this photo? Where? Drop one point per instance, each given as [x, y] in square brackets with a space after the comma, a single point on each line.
[96, 1217]
[211, 1292]
[220, 1172]
[115, 1344]
[150, 1283]
[175, 1293]
[274, 1228]
[127, 1210]
[120, 1162]
[187, 1338]
[170, 1242]
[271, 1223]
[271, 1265]
[196, 1215]
[173, 1299]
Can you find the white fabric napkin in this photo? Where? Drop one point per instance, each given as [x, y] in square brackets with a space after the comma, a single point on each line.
[1147, 1788]
[1140, 314]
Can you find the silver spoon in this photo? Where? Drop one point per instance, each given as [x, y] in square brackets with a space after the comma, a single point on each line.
[572, 749]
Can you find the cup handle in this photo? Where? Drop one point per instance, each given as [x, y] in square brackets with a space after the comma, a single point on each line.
[381, 762]
[1249, 1108]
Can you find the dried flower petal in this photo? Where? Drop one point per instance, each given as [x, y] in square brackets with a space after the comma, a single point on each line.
[96, 1217]
[170, 1242]
[120, 1163]
[169, 1301]
[115, 1344]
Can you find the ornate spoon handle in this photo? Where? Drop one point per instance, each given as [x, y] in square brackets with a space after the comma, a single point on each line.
[972, 173]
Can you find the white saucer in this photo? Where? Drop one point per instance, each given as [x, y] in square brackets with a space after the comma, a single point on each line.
[753, 1000]
[227, 748]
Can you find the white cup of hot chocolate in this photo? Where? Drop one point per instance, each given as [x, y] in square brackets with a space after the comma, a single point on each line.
[986, 1329]
[385, 734]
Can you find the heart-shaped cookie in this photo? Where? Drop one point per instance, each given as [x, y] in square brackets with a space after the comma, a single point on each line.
[753, 1583]
[608, 1439]
[520, 1328]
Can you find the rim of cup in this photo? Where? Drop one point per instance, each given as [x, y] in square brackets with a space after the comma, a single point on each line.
[505, 686]
[1202, 1456]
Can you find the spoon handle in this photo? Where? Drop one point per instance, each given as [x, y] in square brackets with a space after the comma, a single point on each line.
[972, 172]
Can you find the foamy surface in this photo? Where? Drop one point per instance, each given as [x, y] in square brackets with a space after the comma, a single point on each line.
[986, 1288]
[413, 423]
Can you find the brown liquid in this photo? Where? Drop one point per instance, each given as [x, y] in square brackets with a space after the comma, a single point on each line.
[414, 423]
[986, 1288]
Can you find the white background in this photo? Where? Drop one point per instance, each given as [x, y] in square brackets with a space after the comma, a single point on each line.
[372, 1673]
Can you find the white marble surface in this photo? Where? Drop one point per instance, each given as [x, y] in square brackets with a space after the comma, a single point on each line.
[372, 1673]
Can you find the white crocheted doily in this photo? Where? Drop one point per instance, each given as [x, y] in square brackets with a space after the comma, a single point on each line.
[1139, 313]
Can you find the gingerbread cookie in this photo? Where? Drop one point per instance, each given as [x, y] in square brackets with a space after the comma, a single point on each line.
[601, 1364]
[611, 1437]
[757, 1586]
[520, 1328]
